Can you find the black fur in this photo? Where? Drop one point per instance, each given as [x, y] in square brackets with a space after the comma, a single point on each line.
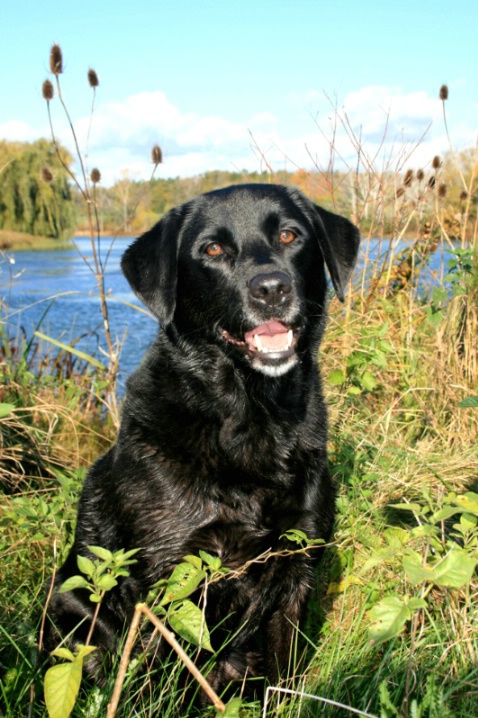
[221, 447]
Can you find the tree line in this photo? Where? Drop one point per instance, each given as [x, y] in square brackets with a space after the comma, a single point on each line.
[37, 195]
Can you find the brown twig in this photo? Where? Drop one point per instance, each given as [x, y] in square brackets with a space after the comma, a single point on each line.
[142, 609]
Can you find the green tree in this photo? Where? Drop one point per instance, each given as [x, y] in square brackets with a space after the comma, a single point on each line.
[35, 194]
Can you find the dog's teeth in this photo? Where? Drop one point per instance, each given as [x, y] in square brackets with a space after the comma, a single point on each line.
[290, 338]
[258, 341]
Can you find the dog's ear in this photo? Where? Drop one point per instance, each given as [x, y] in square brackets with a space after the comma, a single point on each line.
[150, 266]
[339, 241]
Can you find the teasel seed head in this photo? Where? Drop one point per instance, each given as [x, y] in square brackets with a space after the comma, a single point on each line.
[56, 60]
[436, 162]
[431, 182]
[463, 196]
[444, 93]
[95, 175]
[420, 175]
[156, 155]
[442, 190]
[47, 90]
[407, 180]
[400, 192]
[46, 175]
[93, 78]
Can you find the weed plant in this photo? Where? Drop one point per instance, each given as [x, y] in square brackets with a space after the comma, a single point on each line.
[392, 628]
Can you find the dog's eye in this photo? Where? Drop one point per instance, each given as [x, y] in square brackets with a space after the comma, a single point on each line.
[287, 236]
[214, 249]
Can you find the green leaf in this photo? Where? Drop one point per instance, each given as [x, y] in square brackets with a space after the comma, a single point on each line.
[74, 582]
[388, 618]
[470, 401]
[454, 570]
[468, 502]
[6, 409]
[416, 508]
[368, 381]
[233, 708]
[337, 377]
[63, 652]
[83, 651]
[387, 709]
[296, 536]
[195, 560]
[213, 562]
[85, 565]
[183, 581]
[106, 582]
[62, 683]
[445, 513]
[188, 622]
[101, 552]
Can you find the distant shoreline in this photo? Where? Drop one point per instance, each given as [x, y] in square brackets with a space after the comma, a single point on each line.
[21, 241]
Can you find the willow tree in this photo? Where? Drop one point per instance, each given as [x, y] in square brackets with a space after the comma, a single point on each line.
[35, 194]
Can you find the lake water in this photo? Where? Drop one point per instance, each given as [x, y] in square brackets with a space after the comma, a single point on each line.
[56, 292]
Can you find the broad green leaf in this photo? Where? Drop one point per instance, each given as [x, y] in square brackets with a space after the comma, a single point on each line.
[233, 708]
[83, 651]
[470, 401]
[396, 537]
[213, 562]
[106, 582]
[74, 582]
[6, 409]
[195, 560]
[388, 618]
[454, 570]
[468, 502]
[337, 377]
[62, 683]
[183, 581]
[85, 565]
[188, 622]
[63, 652]
[445, 513]
[101, 552]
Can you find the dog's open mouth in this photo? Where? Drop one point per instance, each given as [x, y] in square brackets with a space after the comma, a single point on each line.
[272, 340]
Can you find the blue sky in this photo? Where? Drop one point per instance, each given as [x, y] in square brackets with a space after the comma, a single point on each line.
[232, 85]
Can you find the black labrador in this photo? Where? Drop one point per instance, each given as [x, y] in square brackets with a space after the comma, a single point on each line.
[222, 445]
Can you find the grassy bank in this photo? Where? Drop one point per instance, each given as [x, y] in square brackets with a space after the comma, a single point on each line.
[19, 241]
[392, 628]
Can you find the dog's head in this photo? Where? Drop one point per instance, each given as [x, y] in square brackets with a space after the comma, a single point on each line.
[243, 267]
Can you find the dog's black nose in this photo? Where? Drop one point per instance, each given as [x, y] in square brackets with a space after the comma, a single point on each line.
[272, 289]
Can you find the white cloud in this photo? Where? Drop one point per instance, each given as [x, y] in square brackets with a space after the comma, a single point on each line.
[392, 127]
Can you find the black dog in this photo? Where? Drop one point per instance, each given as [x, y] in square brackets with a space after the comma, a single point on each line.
[222, 445]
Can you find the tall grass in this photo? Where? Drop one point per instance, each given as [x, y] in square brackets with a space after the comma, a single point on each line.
[400, 370]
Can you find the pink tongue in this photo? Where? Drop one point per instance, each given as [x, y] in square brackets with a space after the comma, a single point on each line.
[273, 335]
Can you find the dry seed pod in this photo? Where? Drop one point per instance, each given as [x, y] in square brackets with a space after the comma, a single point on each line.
[47, 90]
[95, 175]
[56, 60]
[156, 155]
[93, 78]
[444, 93]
